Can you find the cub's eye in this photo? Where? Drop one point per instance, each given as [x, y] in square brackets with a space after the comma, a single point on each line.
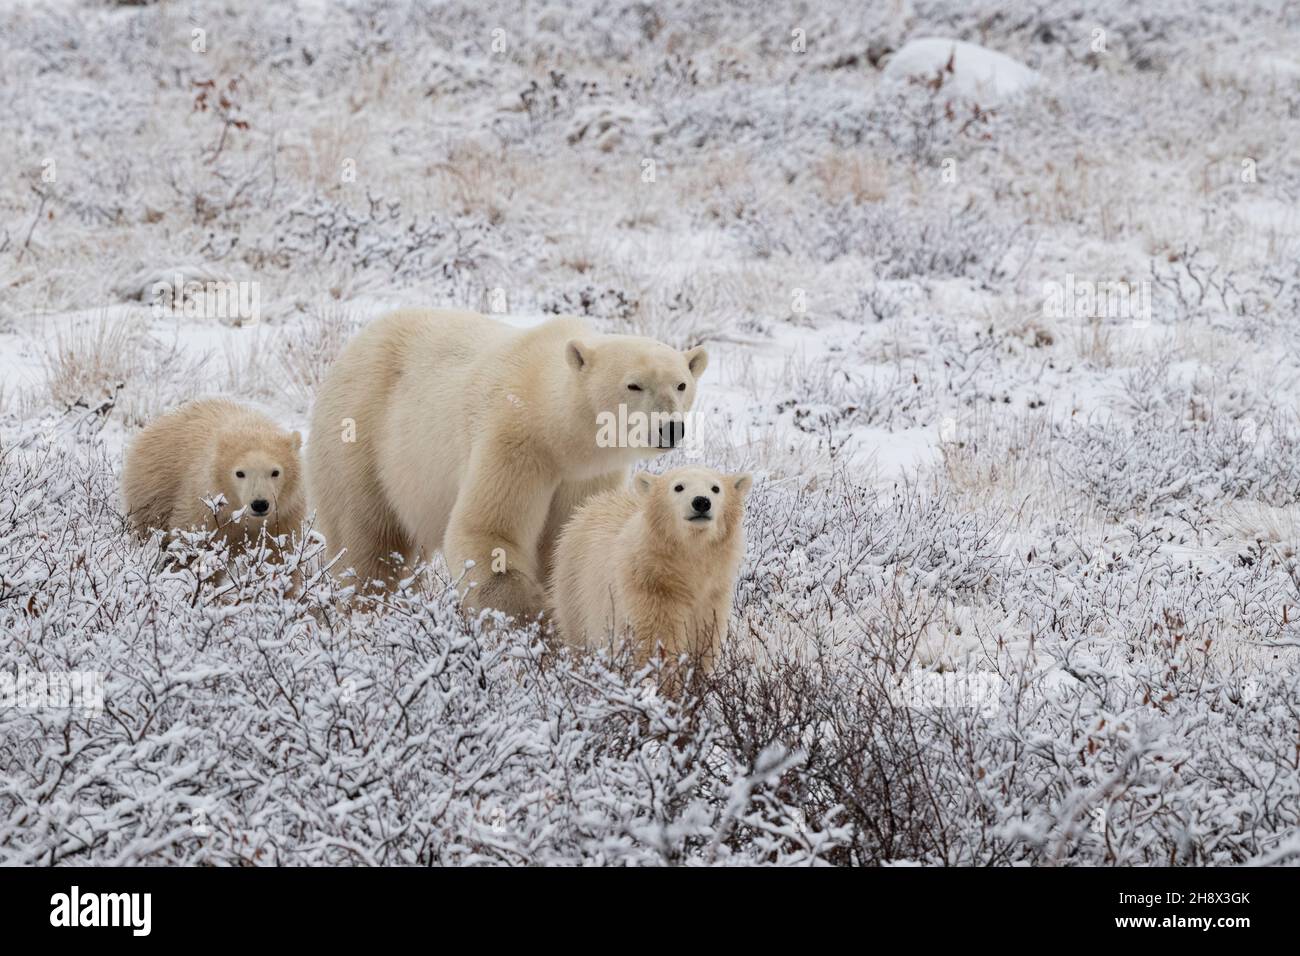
[681, 387]
[716, 489]
[680, 488]
[239, 474]
[634, 388]
[275, 472]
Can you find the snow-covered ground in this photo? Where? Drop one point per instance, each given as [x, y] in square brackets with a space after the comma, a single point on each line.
[1009, 334]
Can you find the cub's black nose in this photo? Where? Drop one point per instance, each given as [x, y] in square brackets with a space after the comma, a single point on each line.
[701, 504]
[261, 506]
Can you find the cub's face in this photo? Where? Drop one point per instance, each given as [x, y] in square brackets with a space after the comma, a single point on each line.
[262, 479]
[695, 504]
[640, 390]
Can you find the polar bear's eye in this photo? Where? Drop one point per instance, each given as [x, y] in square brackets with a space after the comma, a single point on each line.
[681, 387]
[716, 489]
[680, 488]
[634, 388]
[239, 474]
[275, 473]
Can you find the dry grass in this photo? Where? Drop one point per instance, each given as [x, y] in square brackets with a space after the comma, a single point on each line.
[251, 360]
[855, 176]
[1003, 465]
[306, 352]
[87, 360]
[475, 179]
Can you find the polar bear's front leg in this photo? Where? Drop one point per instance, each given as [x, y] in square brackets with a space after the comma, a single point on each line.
[568, 497]
[496, 524]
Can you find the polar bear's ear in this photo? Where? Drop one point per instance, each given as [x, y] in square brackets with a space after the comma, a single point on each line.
[697, 360]
[643, 481]
[742, 483]
[295, 440]
[578, 354]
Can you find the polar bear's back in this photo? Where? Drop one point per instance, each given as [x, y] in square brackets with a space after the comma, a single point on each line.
[420, 367]
[396, 418]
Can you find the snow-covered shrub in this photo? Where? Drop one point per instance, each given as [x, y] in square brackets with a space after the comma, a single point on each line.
[251, 715]
[900, 242]
[831, 400]
[585, 299]
[926, 119]
[1093, 759]
[1160, 459]
[850, 544]
[380, 236]
[1192, 286]
[1144, 38]
[881, 301]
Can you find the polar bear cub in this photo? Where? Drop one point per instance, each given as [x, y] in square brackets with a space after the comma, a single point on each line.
[214, 448]
[658, 561]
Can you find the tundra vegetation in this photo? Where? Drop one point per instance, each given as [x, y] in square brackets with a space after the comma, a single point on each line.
[1021, 581]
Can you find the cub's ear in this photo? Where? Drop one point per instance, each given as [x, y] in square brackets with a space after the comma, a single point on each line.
[742, 483]
[643, 481]
[295, 441]
[578, 354]
[697, 360]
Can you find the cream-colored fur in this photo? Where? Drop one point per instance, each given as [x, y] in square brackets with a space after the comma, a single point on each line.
[645, 562]
[198, 452]
[448, 430]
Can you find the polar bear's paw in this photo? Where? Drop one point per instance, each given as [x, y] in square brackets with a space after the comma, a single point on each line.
[513, 593]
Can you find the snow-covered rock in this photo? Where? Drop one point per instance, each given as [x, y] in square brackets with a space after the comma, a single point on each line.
[969, 71]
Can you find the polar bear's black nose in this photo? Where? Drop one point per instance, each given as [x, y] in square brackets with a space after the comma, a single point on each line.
[671, 433]
[261, 506]
[701, 504]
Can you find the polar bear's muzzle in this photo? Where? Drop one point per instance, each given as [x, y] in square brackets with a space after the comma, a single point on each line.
[672, 433]
[701, 505]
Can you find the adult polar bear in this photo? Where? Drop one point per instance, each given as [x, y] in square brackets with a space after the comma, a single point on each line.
[448, 430]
